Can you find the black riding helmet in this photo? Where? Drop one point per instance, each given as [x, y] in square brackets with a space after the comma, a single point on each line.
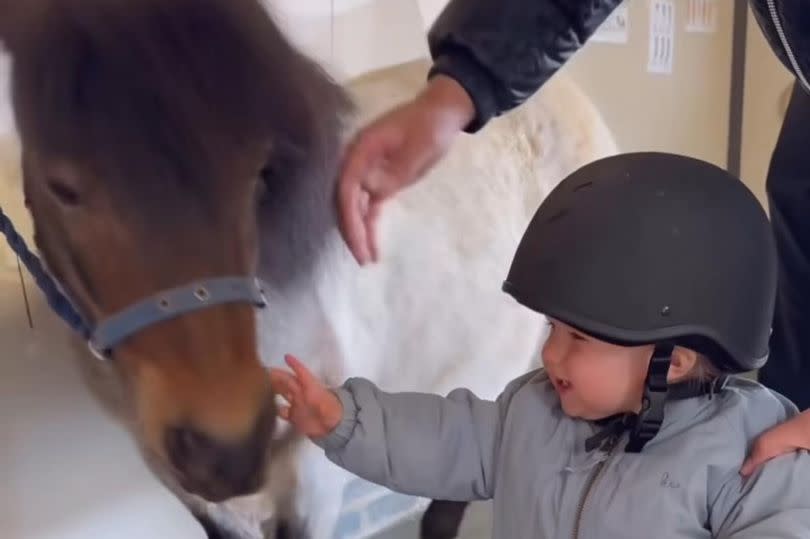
[654, 248]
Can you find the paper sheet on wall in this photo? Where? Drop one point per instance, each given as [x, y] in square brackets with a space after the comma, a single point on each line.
[662, 36]
[615, 28]
[702, 16]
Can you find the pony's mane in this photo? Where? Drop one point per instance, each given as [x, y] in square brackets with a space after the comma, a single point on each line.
[157, 96]
[163, 90]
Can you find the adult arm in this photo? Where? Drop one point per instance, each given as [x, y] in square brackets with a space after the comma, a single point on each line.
[502, 51]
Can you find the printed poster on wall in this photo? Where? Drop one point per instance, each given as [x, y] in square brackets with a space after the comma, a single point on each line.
[616, 27]
[701, 16]
[662, 36]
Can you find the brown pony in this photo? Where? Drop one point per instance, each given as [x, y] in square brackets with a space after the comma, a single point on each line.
[154, 132]
[169, 141]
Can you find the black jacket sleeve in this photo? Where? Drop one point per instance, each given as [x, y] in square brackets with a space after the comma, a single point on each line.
[503, 51]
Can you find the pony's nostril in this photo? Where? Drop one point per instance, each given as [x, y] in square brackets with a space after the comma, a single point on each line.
[184, 444]
[218, 468]
[213, 468]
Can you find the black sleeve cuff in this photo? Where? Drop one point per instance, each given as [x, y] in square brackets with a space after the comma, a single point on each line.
[461, 67]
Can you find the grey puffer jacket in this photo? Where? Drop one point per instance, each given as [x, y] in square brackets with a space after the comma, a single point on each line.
[503, 51]
[523, 452]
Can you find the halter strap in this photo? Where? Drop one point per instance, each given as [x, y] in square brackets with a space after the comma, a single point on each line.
[162, 306]
[172, 303]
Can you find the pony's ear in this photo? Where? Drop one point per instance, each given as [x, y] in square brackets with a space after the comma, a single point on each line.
[5, 22]
[10, 20]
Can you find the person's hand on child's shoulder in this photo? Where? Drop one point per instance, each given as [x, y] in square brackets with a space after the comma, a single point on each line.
[784, 438]
[313, 409]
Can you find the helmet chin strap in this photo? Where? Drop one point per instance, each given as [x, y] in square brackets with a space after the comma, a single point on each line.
[651, 417]
[645, 425]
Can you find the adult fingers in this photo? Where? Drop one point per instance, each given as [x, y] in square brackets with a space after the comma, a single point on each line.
[370, 222]
[356, 168]
[763, 451]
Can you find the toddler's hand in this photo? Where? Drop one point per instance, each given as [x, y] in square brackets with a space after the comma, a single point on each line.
[312, 408]
[785, 438]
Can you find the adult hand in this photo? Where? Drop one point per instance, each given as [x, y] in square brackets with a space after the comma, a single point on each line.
[394, 152]
[784, 438]
[313, 409]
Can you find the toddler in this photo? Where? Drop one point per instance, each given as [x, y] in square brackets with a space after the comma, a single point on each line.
[657, 275]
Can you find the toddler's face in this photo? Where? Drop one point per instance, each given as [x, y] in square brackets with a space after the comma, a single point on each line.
[594, 379]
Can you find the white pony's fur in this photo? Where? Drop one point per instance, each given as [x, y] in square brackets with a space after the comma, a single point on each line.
[431, 316]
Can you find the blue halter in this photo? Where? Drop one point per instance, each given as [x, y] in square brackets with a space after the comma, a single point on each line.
[109, 332]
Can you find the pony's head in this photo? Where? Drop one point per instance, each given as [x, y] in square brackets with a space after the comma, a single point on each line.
[153, 133]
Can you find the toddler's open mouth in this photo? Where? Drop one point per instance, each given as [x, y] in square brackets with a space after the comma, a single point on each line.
[562, 384]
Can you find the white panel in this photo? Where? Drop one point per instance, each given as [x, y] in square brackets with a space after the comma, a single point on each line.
[6, 122]
[363, 34]
[11, 197]
[430, 10]
[68, 471]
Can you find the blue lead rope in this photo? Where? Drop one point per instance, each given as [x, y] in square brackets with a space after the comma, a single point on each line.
[58, 302]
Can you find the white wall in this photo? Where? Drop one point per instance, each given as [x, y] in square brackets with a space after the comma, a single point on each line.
[685, 111]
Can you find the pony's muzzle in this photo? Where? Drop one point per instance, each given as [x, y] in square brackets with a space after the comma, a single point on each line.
[215, 469]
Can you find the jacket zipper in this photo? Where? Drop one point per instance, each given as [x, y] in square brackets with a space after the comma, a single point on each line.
[791, 57]
[595, 475]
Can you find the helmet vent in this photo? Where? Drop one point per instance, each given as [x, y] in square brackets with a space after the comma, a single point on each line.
[557, 215]
[582, 186]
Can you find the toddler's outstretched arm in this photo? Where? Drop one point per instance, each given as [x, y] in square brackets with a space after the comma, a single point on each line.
[415, 443]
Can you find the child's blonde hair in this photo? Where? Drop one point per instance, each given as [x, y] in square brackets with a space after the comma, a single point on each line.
[702, 372]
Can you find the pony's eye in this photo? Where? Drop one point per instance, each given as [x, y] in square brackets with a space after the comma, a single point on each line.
[267, 171]
[63, 193]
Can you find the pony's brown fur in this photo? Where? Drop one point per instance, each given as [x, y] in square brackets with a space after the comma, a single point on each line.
[154, 134]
